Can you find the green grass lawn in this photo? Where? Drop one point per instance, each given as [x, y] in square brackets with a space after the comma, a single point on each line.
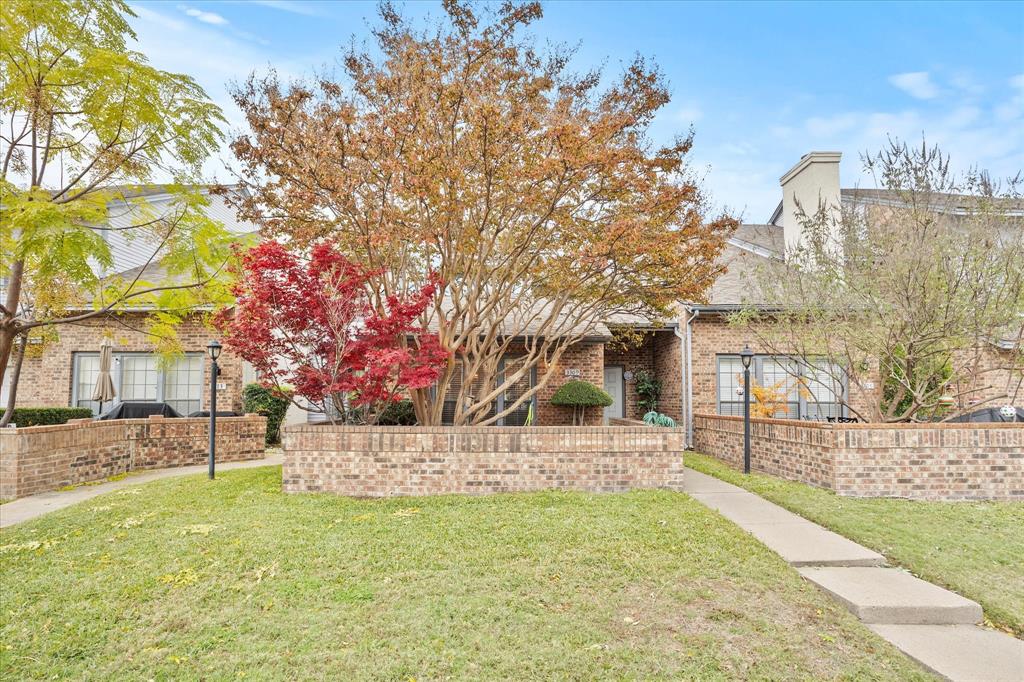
[188, 579]
[974, 548]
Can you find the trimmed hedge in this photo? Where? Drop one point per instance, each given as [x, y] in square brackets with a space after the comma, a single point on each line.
[270, 404]
[47, 416]
[399, 413]
[580, 394]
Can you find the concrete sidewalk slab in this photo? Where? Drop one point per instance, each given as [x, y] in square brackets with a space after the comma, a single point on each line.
[889, 595]
[27, 508]
[963, 653]
[929, 624]
[797, 540]
[697, 482]
[746, 508]
[807, 544]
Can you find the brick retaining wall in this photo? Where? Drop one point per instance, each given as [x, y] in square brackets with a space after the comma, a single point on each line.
[385, 461]
[41, 458]
[921, 461]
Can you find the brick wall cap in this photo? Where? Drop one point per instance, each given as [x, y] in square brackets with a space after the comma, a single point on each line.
[883, 426]
[528, 430]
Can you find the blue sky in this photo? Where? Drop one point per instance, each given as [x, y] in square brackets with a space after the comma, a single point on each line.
[762, 83]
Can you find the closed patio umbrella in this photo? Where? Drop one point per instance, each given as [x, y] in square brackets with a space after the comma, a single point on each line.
[104, 391]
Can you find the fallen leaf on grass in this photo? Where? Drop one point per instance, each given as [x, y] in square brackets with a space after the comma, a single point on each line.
[411, 511]
[30, 546]
[203, 529]
[182, 578]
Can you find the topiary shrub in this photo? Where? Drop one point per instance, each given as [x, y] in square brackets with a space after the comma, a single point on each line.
[579, 395]
[658, 419]
[271, 404]
[47, 416]
[398, 413]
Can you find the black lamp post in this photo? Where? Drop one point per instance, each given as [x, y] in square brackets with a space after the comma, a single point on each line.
[213, 348]
[746, 355]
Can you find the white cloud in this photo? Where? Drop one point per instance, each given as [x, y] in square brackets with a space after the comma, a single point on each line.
[293, 6]
[917, 84]
[689, 113]
[205, 17]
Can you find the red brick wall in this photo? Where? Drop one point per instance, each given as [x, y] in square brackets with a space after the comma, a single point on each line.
[798, 451]
[588, 358]
[714, 336]
[919, 461]
[668, 367]
[388, 461]
[46, 374]
[41, 458]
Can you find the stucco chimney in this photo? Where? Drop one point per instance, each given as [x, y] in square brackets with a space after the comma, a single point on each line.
[812, 182]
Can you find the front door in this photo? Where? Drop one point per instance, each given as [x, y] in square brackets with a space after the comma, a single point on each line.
[615, 387]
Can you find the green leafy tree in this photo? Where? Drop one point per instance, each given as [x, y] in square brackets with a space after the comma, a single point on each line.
[87, 122]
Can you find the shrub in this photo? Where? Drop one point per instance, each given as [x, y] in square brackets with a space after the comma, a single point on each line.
[648, 391]
[399, 413]
[47, 416]
[658, 419]
[580, 395]
[271, 404]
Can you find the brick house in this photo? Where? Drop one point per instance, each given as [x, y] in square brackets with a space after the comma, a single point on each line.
[695, 356]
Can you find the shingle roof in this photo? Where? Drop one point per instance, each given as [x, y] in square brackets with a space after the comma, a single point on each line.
[749, 246]
[130, 250]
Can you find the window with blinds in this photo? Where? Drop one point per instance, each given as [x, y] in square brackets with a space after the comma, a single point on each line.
[824, 385]
[479, 388]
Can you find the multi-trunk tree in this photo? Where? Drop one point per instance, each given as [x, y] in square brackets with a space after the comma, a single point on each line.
[534, 193]
[914, 295]
[305, 322]
[87, 125]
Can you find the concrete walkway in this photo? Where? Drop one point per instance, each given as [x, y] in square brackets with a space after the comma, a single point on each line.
[935, 627]
[26, 508]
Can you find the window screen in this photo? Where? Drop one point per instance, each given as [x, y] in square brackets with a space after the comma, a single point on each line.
[782, 375]
[183, 384]
[825, 391]
[87, 371]
[138, 378]
[730, 383]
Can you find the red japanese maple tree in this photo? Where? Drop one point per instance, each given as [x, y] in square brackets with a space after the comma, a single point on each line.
[307, 321]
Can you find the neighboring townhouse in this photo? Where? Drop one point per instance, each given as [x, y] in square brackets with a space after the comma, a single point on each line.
[63, 371]
[695, 357]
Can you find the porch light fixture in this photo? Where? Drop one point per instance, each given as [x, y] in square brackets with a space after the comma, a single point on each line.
[746, 356]
[213, 349]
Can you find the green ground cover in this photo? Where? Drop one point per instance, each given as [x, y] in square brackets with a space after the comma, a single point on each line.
[187, 579]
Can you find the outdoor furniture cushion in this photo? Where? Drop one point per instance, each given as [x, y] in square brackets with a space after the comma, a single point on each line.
[139, 410]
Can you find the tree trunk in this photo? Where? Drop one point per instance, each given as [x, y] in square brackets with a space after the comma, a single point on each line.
[8, 325]
[15, 373]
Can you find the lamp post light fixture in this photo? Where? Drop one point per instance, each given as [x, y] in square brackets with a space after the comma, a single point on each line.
[746, 356]
[213, 349]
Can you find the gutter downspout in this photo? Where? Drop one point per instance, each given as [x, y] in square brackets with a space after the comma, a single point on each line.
[689, 376]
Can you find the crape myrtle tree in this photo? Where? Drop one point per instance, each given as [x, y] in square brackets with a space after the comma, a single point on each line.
[305, 321]
[86, 124]
[921, 294]
[532, 192]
